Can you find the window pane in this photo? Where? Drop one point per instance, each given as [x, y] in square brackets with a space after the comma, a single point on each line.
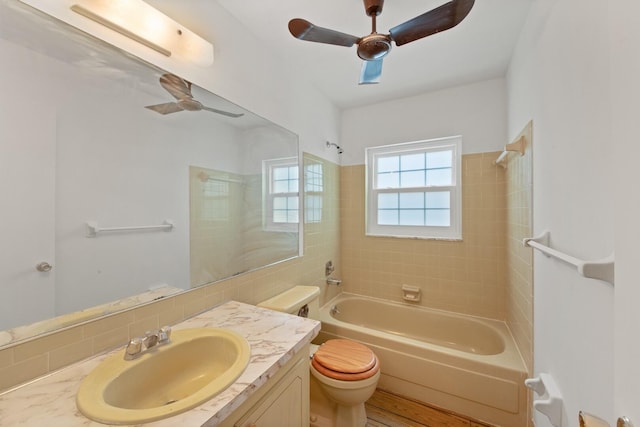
[279, 216]
[439, 177]
[412, 179]
[281, 186]
[412, 201]
[438, 217]
[388, 180]
[412, 217]
[313, 208]
[292, 217]
[293, 185]
[292, 203]
[388, 164]
[412, 162]
[388, 201]
[438, 199]
[313, 177]
[439, 159]
[280, 174]
[387, 217]
[279, 203]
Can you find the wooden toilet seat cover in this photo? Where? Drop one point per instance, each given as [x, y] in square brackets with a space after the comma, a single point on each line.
[345, 360]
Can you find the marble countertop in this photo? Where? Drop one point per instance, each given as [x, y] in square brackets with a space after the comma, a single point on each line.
[274, 338]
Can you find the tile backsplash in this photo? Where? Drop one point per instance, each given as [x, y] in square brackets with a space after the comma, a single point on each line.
[465, 276]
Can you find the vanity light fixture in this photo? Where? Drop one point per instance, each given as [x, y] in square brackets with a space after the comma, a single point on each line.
[134, 19]
[111, 22]
[143, 23]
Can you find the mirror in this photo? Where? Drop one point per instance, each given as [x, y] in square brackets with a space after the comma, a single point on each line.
[125, 204]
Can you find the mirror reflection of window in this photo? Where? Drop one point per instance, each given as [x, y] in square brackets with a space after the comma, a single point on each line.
[282, 199]
[313, 188]
[215, 199]
[215, 224]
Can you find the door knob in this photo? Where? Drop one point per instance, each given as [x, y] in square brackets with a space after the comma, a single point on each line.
[44, 267]
[624, 422]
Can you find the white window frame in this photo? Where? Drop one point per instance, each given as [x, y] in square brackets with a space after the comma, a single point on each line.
[267, 169]
[454, 230]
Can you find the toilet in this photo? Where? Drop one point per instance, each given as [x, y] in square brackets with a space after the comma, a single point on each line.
[344, 373]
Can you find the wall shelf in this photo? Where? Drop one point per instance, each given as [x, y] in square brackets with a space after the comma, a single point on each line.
[517, 146]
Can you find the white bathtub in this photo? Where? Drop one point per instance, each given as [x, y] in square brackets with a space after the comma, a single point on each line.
[465, 364]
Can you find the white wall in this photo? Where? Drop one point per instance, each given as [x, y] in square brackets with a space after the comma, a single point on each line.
[27, 166]
[476, 111]
[624, 22]
[560, 78]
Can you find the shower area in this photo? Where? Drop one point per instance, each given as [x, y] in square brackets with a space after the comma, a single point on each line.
[488, 274]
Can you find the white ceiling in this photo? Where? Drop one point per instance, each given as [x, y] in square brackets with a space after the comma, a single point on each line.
[478, 48]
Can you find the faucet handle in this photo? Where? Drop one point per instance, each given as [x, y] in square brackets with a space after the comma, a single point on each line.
[133, 348]
[164, 334]
[150, 338]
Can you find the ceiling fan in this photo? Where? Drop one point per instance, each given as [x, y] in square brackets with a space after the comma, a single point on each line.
[374, 47]
[181, 90]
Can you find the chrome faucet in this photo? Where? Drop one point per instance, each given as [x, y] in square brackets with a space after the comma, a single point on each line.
[334, 310]
[139, 345]
[332, 281]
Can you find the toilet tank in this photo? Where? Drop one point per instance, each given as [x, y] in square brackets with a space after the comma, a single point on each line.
[292, 300]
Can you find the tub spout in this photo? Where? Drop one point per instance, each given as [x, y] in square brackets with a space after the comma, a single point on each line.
[332, 281]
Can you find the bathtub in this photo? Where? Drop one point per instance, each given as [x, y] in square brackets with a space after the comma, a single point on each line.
[460, 363]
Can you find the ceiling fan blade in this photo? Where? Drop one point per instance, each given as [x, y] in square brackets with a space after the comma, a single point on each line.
[439, 19]
[168, 108]
[305, 30]
[176, 86]
[224, 113]
[370, 72]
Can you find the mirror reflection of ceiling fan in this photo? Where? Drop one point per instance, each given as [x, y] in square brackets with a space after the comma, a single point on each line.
[181, 91]
[374, 47]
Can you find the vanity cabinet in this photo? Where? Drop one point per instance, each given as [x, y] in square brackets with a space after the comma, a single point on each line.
[283, 401]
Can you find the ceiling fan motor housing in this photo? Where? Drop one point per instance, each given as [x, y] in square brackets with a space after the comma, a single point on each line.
[374, 46]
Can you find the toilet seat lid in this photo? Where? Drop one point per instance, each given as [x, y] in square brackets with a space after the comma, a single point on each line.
[345, 356]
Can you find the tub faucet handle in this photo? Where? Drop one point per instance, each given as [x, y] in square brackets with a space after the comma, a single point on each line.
[332, 281]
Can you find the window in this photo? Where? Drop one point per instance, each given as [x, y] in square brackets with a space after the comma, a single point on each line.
[414, 189]
[282, 198]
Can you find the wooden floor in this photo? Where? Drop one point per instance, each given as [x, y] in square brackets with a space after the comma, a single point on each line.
[388, 410]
